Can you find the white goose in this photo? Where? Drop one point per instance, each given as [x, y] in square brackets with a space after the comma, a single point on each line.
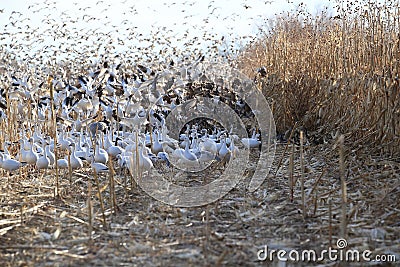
[82, 151]
[62, 164]
[189, 155]
[223, 151]
[112, 150]
[31, 155]
[207, 144]
[157, 146]
[186, 158]
[99, 167]
[100, 155]
[251, 142]
[76, 162]
[43, 162]
[24, 149]
[6, 153]
[63, 142]
[9, 164]
[145, 162]
[50, 155]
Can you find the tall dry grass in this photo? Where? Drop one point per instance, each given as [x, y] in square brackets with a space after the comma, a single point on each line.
[334, 74]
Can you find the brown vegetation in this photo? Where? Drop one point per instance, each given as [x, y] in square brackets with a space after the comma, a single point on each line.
[334, 74]
[335, 78]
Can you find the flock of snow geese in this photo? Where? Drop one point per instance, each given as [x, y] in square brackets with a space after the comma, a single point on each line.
[119, 114]
[66, 105]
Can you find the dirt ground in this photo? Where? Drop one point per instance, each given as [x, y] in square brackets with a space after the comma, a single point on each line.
[37, 229]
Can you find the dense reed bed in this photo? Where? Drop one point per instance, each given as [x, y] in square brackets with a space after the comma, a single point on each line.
[334, 74]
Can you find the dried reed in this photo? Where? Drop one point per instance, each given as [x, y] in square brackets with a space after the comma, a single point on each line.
[291, 174]
[90, 209]
[343, 218]
[54, 133]
[330, 74]
[303, 196]
[113, 198]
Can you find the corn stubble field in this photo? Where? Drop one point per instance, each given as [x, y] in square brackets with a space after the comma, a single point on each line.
[334, 79]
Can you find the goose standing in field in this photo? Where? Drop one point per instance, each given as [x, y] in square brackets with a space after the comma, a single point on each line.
[100, 155]
[31, 155]
[223, 152]
[6, 153]
[64, 142]
[23, 151]
[43, 162]
[189, 155]
[76, 162]
[9, 164]
[113, 150]
[123, 160]
[251, 142]
[37, 138]
[62, 164]
[145, 162]
[157, 146]
[185, 157]
[207, 144]
[82, 151]
[50, 155]
[98, 167]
